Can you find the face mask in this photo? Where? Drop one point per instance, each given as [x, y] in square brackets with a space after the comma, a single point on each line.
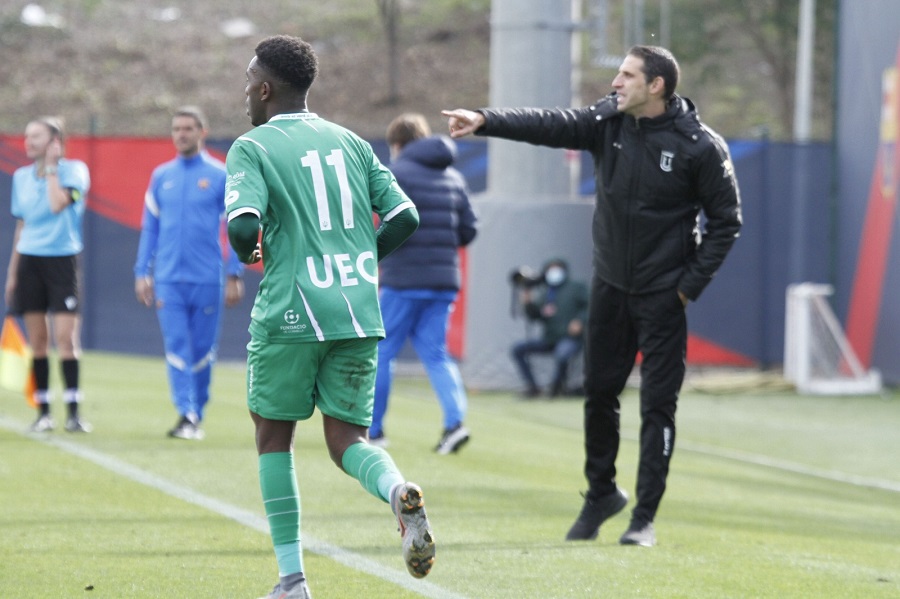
[555, 276]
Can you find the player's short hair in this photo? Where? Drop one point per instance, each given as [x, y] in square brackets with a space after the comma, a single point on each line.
[658, 62]
[55, 124]
[407, 127]
[195, 113]
[289, 59]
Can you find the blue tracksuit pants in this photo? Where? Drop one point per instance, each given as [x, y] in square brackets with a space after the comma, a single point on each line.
[189, 319]
[422, 317]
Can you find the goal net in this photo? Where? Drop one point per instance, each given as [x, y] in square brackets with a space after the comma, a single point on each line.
[818, 360]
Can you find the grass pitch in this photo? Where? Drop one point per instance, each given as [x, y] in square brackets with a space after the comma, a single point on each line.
[770, 495]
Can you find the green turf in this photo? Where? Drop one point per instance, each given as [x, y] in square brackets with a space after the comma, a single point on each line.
[755, 505]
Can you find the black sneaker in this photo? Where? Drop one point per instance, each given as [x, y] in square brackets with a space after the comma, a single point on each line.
[639, 533]
[187, 429]
[452, 440]
[556, 389]
[594, 513]
[530, 393]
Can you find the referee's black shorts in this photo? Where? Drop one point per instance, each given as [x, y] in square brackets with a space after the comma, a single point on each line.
[46, 284]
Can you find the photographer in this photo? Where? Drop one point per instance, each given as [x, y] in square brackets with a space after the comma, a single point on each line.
[560, 305]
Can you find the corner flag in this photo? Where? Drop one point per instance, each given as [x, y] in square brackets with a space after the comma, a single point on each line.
[15, 361]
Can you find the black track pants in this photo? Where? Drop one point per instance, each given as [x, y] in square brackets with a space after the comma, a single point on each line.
[620, 325]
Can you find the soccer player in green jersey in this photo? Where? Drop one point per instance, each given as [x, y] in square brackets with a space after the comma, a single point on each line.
[312, 186]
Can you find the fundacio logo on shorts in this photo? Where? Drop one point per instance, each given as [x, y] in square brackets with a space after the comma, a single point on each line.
[293, 323]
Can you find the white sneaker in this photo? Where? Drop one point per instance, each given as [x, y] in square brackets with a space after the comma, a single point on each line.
[74, 424]
[44, 424]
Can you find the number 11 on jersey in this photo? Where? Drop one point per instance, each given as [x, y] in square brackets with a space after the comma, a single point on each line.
[335, 160]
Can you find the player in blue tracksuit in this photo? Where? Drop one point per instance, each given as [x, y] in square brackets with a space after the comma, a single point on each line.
[180, 245]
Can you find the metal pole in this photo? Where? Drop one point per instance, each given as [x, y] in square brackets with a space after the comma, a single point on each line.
[802, 166]
[806, 30]
[638, 21]
[665, 23]
[577, 16]
[628, 24]
[531, 65]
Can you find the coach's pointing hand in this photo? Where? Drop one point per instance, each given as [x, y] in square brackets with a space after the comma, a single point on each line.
[463, 122]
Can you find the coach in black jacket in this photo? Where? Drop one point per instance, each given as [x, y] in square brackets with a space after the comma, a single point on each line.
[656, 168]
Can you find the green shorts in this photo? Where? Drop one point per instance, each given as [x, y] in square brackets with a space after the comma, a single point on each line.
[286, 381]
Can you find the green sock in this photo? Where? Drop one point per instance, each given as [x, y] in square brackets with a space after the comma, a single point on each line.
[281, 498]
[373, 468]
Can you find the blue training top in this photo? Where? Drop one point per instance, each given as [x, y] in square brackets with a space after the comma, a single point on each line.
[45, 233]
[183, 219]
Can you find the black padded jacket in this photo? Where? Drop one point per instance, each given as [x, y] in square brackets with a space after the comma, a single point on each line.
[653, 176]
[430, 257]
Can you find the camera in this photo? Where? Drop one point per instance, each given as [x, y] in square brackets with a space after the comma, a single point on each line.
[524, 276]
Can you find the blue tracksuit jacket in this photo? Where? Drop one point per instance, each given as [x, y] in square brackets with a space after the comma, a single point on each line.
[181, 247]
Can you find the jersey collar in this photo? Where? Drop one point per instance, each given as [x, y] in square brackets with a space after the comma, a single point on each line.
[294, 116]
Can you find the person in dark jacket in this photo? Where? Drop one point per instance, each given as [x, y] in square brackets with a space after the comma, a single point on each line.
[421, 279]
[559, 304]
[657, 166]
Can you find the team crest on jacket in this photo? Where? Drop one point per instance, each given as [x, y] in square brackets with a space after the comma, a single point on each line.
[665, 161]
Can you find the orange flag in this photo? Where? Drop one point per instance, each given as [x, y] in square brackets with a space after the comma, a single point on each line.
[15, 361]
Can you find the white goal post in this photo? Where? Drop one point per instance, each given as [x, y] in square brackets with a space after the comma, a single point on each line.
[818, 359]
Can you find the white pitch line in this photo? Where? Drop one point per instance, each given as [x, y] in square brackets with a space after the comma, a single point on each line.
[788, 466]
[232, 512]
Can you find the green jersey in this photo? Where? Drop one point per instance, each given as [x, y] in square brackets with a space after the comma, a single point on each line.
[314, 186]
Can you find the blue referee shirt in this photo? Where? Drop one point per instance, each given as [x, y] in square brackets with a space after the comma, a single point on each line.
[45, 233]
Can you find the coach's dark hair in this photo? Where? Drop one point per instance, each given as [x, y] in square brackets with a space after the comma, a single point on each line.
[658, 62]
[289, 59]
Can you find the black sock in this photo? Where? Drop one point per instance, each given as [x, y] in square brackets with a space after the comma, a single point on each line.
[41, 369]
[70, 373]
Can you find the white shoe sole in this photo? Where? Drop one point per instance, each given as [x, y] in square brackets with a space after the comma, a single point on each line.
[418, 540]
